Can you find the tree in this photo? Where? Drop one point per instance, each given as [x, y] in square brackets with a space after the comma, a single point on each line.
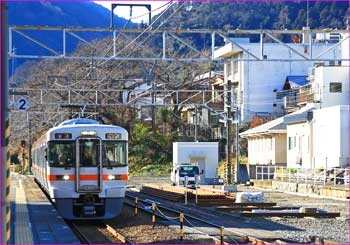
[164, 115]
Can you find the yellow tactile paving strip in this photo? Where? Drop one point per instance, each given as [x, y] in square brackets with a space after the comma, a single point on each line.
[23, 232]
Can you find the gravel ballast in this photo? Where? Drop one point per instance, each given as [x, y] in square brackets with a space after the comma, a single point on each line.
[296, 229]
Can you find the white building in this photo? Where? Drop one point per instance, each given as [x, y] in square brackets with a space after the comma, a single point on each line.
[266, 143]
[345, 49]
[255, 82]
[330, 85]
[299, 139]
[205, 154]
[320, 139]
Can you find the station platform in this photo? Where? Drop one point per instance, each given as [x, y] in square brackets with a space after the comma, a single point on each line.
[34, 220]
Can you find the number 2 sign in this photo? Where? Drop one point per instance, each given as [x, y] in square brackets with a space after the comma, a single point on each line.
[22, 104]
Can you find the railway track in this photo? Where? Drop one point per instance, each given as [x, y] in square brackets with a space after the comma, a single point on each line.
[92, 232]
[88, 232]
[195, 222]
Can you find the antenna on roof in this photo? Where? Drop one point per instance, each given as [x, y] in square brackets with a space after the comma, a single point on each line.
[307, 14]
[82, 110]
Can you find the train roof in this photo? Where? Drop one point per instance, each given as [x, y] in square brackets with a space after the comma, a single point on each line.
[75, 125]
[83, 123]
[79, 121]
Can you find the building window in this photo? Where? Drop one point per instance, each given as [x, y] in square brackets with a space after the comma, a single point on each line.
[290, 143]
[335, 87]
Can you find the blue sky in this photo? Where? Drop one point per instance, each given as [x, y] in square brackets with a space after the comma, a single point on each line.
[136, 11]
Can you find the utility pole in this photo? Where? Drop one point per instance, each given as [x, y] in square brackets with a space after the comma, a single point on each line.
[5, 132]
[228, 177]
[237, 178]
[153, 109]
[196, 125]
[30, 146]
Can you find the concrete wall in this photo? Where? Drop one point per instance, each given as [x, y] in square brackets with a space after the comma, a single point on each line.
[331, 137]
[266, 150]
[185, 152]
[299, 147]
[321, 85]
[320, 190]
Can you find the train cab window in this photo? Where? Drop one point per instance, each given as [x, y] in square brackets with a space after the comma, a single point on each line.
[114, 154]
[89, 152]
[61, 154]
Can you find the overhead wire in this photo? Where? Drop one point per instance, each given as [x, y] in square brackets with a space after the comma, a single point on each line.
[152, 31]
[131, 42]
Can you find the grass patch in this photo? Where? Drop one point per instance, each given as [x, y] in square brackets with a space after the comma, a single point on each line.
[153, 170]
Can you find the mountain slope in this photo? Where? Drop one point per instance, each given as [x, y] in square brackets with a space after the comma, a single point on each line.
[69, 14]
[260, 15]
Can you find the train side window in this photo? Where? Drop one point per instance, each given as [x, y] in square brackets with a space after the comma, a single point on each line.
[61, 154]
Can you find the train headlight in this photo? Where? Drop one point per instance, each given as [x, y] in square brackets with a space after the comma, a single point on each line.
[88, 132]
[111, 177]
[66, 177]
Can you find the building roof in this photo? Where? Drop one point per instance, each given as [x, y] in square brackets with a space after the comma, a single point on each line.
[274, 126]
[279, 125]
[300, 117]
[295, 82]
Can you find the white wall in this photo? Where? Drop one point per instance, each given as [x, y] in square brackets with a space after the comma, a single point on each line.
[345, 49]
[258, 79]
[299, 145]
[331, 137]
[324, 75]
[266, 150]
[183, 151]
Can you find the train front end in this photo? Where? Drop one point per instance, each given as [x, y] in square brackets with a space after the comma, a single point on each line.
[88, 170]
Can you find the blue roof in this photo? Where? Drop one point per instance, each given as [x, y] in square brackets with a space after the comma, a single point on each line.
[298, 80]
[79, 121]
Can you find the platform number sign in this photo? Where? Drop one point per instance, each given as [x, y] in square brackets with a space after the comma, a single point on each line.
[22, 104]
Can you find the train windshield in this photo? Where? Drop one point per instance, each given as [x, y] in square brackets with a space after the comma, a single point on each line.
[61, 154]
[114, 154]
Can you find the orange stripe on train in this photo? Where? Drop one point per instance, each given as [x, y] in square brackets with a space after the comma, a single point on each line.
[87, 177]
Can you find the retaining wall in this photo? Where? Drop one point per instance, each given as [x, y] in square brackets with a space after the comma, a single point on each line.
[320, 190]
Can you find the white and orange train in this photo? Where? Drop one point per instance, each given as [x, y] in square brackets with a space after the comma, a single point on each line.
[83, 166]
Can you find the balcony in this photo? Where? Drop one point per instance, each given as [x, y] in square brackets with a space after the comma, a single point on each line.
[305, 96]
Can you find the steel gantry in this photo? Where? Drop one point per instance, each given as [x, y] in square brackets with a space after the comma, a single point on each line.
[117, 97]
[166, 35]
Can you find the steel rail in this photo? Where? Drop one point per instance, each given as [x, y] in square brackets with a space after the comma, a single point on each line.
[80, 235]
[217, 240]
[249, 238]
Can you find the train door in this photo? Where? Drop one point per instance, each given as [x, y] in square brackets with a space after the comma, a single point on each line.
[88, 165]
[45, 166]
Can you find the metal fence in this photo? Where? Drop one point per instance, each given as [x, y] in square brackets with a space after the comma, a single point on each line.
[333, 176]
